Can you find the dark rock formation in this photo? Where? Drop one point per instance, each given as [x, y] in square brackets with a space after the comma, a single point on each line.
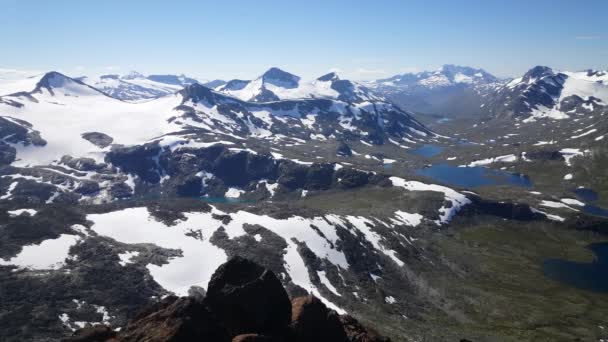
[93, 334]
[311, 320]
[245, 303]
[344, 150]
[98, 139]
[248, 298]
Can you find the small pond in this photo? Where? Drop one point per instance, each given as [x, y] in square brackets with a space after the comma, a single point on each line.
[591, 276]
[471, 177]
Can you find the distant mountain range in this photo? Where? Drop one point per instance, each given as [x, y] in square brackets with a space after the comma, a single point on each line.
[118, 191]
[327, 108]
[135, 86]
[450, 91]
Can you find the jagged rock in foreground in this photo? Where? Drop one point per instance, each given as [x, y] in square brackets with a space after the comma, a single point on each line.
[245, 302]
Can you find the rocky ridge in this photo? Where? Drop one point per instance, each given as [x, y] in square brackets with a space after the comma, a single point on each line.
[244, 302]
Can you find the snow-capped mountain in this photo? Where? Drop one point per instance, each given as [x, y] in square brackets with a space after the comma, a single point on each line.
[546, 93]
[135, 86]
[447, 76]
[450, 90]
[276, 84]
[116, 202]
[57, 105]
[304, 118]
[12, 81]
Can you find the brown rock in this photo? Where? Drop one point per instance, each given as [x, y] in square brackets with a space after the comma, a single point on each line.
[183, 319]
[251, 338]
[313, 321]
[358, 333]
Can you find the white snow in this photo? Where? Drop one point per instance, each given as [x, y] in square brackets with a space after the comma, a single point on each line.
[584, 134]
[457, 199]
[572, 201]
[126, 257]
[509, 158]
[272, 188]
[18, 212]
[199, 257]
[327, 283]
[549, 216]
[233, 193]
[409, 219]
[310, 89]
[569, 153]
[390, 300]
[62, 119]
[13, 81]
[553, 204]
[48, 255]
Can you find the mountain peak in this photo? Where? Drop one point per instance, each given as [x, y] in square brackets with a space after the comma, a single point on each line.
[538, 72]
[53, 81]
[280, 78]
[132, 75]
[332, 76]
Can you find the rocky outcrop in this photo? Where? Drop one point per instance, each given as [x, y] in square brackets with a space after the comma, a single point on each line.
[245, 302]
[98, 139]
[311, 320]
[248, 298]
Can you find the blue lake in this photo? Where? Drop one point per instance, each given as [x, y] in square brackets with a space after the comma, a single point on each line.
[593, 210]
[591, 276]
[428, 150]
[471, 177]
[586, 195]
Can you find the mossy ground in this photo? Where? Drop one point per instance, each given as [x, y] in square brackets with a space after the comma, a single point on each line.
[500, 293]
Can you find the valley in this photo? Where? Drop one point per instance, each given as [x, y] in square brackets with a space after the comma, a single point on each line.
[426, 223]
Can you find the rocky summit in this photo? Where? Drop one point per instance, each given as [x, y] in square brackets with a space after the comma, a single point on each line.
[244, 302]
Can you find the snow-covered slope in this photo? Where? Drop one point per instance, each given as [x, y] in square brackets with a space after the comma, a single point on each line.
[276, 84]
[12, 81]
[349, 115]
[62, 109]
[546, 93]
[135, 86]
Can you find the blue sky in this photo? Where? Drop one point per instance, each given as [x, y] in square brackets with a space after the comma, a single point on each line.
[360, 39]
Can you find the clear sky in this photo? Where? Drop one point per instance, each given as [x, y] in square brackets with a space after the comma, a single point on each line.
[360, 39]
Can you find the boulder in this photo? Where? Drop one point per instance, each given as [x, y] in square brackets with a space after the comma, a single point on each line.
[358, 333]
[252, 338]
[175, 320]
[97, 333]
[311, 320]
[246, 298]
[98, 139]
[344, 150]
[87, 187]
